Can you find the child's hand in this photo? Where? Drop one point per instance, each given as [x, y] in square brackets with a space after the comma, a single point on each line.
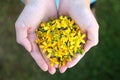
[79, 10]
[34, 12]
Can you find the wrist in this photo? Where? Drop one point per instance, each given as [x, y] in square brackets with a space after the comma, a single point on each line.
[26, 2]
[37, 2]
[80, 3]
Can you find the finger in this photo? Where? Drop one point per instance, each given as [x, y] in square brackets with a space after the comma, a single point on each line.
[89, 44]
[74, 60]
[51, 69]
[39, 60]
[56, 65]
[92, 36]
[22, 37]
[37, 55]
[63, 69]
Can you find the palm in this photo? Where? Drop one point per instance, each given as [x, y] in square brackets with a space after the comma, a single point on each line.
[85, 19]
[28, 21]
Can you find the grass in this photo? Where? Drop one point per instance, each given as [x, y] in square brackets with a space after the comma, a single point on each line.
[100, 63]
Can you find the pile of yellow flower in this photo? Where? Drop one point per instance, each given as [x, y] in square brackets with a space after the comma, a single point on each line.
[60, 39]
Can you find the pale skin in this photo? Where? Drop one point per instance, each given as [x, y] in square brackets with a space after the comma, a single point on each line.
[36, 11]
[31, 16]
[80, 11]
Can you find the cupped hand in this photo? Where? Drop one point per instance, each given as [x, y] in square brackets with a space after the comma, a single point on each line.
[79, 10]
[34, 12]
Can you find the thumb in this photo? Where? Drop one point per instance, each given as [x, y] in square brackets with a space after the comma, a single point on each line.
[92, 38]
[22, 37]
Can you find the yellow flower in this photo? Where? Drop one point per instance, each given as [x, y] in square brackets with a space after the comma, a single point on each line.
[71, 23]
[60, 39]
[46, 27]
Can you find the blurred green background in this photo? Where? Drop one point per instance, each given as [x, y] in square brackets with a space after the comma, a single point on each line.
[100, 63]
